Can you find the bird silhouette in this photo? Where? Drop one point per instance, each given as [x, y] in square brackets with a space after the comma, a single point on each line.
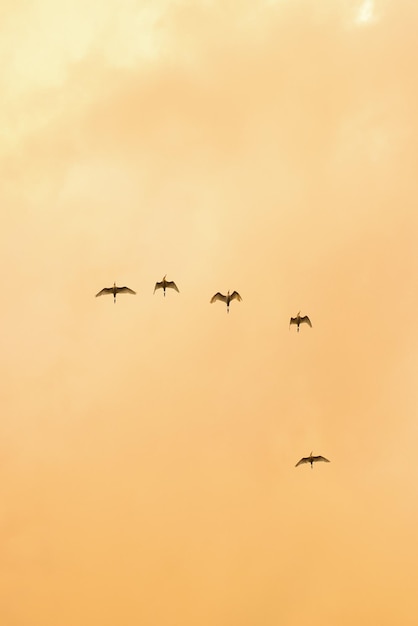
[166, 284]
[311, 459]
[300, 320]
[114, 290]
[228, 298]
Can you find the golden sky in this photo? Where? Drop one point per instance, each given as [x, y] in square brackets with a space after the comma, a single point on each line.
[147, 448]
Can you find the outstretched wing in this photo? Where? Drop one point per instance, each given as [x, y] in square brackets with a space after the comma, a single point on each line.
[293, 320]
[235, 296]
[320, 458]
[158, 286]
[305, 459]
[170, 284]
[104, 291]
[306, 320]
[218, 296]
[125, 290]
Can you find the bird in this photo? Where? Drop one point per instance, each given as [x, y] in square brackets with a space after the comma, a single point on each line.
[114, 290]
[219, 296]
[300, 320]
[312, 459]
[166, 284]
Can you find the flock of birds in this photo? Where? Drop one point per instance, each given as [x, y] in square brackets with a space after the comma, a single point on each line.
[170, 284]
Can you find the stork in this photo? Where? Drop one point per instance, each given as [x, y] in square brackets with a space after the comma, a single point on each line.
[228, 298]
[311, 459]
[166, 284]
[300, 320]
[114, 290]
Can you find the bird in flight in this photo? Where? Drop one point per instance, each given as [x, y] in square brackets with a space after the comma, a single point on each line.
[312, 459]
[114, 290]
[166, 284]
[219, 296]
[300, 320]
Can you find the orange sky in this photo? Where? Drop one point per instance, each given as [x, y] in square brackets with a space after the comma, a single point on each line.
[148, 447]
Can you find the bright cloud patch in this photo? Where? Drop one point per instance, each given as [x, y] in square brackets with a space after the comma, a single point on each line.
[365, 14]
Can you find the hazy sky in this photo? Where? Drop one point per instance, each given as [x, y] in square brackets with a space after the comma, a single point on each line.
[147, 448]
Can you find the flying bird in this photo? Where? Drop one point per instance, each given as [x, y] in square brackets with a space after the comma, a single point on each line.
[219, 296]
[311, 459]
[166, 284]
[300, 320]
[114, 290]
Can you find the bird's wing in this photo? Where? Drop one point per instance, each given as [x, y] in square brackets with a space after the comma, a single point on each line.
[172, 285]
[104, 291]
[305, 459]
[293, 320]
[158, 286]
[306, 319]
[218, 296]
[125, 290]
[235, 295]
[320, 458]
